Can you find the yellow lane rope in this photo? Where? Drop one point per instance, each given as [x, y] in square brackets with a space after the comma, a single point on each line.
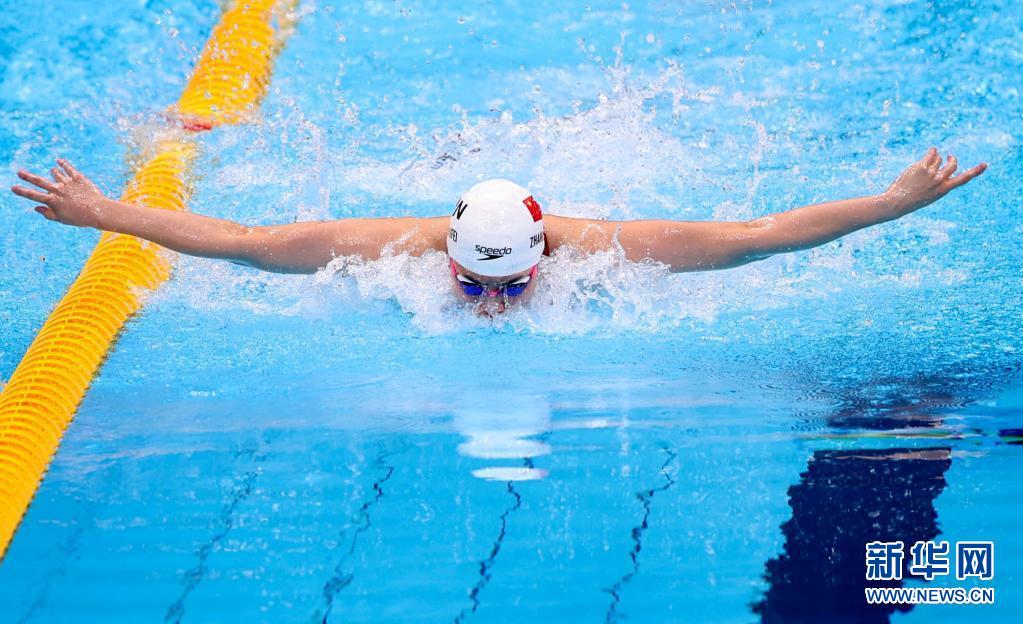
[40, 399]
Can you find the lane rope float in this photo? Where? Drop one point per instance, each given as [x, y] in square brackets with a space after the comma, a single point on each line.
[227, 83]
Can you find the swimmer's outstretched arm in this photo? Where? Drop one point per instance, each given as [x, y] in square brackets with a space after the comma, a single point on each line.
[71, 198]
[699, 245]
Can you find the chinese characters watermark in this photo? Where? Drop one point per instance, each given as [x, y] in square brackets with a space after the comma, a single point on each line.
[885, 561]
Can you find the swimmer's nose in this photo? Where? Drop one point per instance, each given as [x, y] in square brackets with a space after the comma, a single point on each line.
[491, 310]
[493, 292]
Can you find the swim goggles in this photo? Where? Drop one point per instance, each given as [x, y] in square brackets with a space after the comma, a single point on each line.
[472, 288]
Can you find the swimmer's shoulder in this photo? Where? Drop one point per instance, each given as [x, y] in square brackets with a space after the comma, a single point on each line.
[584, 234]
[372, 236]
[426, 233]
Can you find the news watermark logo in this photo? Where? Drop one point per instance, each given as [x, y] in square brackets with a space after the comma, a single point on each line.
[930, 560]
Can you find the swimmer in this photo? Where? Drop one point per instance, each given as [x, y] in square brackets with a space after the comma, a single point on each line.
[497, 235]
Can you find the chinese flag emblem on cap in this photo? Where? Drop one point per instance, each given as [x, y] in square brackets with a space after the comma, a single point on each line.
[534, 208]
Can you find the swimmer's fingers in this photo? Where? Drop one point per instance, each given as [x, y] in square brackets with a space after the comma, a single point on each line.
[39, 181]
[47, 212]
[59, 176]
[965, 177]
[931, 160]
[950, 167]
[71, 171]
[34, 195]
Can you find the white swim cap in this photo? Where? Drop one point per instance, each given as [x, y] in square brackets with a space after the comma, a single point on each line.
[496, 229]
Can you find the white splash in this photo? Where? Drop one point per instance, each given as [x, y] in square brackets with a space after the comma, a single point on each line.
[621, 158]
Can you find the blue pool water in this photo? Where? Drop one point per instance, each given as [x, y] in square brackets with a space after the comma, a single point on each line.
[633, 445]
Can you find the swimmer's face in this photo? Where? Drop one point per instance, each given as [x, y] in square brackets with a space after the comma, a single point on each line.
[490, 303]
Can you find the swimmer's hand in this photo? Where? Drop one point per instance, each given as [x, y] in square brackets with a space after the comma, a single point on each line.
[70, 198]
[704, 245]
[303, 247]
[927, 181]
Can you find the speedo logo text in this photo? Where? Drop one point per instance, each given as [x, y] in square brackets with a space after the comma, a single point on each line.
[492, 253]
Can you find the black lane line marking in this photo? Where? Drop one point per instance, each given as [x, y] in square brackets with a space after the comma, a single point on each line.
[68, 549]
[195, 576]
[340, 579]
[645, 497]
[488, 563]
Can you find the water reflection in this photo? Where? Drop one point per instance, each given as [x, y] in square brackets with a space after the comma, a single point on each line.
[847, 498]
[844, 500]
[507, 426]
[510, 428]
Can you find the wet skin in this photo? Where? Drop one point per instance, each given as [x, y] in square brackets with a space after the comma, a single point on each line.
[69, 197]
